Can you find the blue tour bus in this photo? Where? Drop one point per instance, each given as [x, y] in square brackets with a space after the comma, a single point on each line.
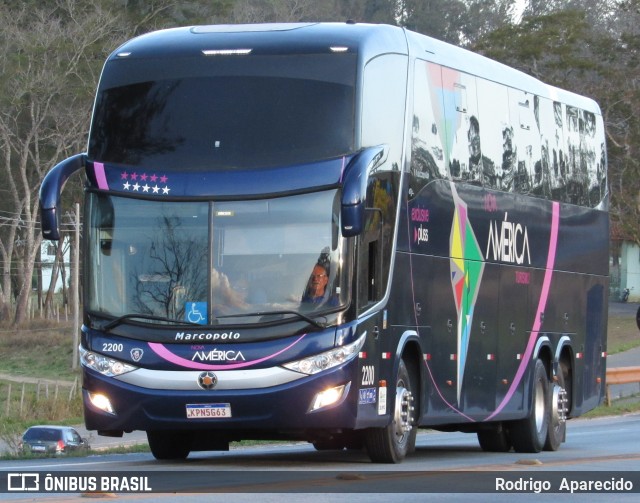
[339, 233]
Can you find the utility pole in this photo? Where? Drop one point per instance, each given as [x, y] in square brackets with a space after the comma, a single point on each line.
[76, 289]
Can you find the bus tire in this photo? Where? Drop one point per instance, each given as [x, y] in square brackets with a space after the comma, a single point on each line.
[560, 401]
[530, 434]
[169, 445]
[392, 443]
[494, 439]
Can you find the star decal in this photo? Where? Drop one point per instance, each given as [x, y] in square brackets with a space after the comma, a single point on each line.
[158, 183]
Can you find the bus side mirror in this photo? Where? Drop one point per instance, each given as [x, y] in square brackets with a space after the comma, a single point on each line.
[352, 218]
[354, 189]
[50, 194]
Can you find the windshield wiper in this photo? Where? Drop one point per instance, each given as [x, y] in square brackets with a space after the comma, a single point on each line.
[120, 319]
[270, 313]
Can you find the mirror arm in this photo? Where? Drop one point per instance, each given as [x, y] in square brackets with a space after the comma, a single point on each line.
[50, 191]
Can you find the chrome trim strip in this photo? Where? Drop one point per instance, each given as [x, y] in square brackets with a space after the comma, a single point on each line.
[227, 379]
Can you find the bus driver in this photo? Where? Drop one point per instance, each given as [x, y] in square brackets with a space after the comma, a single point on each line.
[316, 285]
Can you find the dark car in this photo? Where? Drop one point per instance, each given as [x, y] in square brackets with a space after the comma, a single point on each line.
[53, 441]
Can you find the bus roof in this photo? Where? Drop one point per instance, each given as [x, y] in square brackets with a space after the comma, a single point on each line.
[472, 63]
[368, 40]
[283, 38]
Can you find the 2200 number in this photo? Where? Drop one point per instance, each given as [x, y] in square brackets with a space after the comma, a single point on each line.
[112, 347]
[368, 375]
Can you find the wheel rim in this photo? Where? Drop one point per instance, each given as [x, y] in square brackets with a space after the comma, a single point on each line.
[559, 405]
[539, 406]
[403, 414]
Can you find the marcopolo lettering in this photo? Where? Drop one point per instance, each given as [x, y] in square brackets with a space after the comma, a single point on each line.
[207, 336]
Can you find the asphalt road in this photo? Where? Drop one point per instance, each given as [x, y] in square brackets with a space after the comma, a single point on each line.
[444, 467]
[623, 308]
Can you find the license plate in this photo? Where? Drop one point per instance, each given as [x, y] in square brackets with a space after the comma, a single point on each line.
[38, 448]
[208, 410]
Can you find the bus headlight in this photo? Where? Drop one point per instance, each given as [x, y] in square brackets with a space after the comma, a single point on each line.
[329, 397]
[103, 364]
[329, 359]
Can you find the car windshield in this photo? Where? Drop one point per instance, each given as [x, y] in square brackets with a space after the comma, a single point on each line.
[207, 262]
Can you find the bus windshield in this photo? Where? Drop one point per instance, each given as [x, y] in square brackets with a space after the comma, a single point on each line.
[225, 113]
[208, 262]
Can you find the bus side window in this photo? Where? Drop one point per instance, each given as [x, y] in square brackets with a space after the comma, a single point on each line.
[370, 259]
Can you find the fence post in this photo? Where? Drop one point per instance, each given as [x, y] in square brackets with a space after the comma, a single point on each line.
[9, 399]
[73, 389]
[22, 400]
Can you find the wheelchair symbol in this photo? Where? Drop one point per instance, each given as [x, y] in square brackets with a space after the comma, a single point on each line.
[195, 312]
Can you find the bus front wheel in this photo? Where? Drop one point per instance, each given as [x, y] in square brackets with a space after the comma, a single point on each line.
[167, 445]
[392, 443]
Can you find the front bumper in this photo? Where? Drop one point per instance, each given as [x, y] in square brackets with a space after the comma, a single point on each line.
[276, 404]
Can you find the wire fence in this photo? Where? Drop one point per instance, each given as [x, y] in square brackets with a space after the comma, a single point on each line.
[35, 398]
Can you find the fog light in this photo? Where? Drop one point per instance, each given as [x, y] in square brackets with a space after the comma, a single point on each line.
[101, 402]
[329, 397]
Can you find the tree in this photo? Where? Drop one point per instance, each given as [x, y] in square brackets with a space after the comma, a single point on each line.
[141, 16]
[485, 16]
[619, 95]
[441, 19]
[549, 47]
[48, 69]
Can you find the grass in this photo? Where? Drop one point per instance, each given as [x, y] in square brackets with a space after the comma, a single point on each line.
[622, 334]
[617, 408]
[42, 351]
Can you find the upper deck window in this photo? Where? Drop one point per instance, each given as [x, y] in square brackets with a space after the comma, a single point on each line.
[225, 112]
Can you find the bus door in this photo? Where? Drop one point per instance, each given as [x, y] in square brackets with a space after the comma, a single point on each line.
[375, 361]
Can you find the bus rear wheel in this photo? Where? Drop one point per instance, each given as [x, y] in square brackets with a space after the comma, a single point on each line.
[169, 445]
[560, 401]
[392, 443]
[530, 434]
